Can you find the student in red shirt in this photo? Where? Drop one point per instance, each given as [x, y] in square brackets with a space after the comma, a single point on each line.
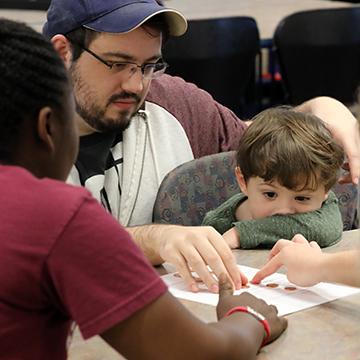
[64, 259]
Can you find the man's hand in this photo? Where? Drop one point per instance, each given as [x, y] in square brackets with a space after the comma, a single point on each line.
[301, 259]
[344, 127]
[228, 301]
[232, 238]
[192, 249]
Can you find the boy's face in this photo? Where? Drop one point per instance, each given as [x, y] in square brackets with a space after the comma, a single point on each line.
[270, 198]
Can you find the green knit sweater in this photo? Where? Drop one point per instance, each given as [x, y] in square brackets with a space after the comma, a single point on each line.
[323, 226]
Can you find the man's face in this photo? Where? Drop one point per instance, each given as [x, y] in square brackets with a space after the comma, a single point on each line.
[107, 99]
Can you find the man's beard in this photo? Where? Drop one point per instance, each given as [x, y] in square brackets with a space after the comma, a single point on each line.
[93, 114]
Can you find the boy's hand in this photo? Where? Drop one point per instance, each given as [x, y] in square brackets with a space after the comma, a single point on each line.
[232, 238]
[228, 301]
[300, 257]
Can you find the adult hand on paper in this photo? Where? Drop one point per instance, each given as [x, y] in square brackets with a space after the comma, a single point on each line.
[193, 249]
[228, 301]
[301, 259]
[232, 238]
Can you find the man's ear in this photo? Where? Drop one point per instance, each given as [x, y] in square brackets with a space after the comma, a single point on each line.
[46, 128]
[63, 47]
[241, 180]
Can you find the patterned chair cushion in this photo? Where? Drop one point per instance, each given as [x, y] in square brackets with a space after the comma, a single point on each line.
[200, 185]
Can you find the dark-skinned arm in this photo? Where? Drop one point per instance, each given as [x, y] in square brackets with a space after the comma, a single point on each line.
[166, 330]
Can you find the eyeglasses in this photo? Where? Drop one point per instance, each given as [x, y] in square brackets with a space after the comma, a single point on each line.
[148, 70]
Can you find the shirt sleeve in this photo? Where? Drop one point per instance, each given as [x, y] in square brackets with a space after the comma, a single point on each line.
[210, 126]
[223, 217]
[98, 273]
[323, 226]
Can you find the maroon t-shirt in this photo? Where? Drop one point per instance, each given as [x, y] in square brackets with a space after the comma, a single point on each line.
[63, 259]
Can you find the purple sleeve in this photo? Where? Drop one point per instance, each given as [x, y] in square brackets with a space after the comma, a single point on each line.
[210, 127]
[99, 274]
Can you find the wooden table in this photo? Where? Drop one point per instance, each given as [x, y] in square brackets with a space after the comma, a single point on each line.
[329, 331]
[267, 13]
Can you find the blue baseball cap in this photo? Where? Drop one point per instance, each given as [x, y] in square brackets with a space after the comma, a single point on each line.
[112, 16]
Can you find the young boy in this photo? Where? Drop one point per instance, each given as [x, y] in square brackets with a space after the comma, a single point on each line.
[287, 163]
[64, 259]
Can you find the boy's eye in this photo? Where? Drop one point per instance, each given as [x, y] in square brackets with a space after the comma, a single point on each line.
[302, 198]
[270, 194]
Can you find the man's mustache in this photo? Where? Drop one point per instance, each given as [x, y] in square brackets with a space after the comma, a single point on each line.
[123, 96]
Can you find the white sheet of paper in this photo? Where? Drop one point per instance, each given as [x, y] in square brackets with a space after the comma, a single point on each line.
[286, 300]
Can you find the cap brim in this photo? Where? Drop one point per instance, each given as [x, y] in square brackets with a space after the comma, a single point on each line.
[131, 16]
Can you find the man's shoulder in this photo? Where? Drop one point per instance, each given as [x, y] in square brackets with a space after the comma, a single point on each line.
[172, 92]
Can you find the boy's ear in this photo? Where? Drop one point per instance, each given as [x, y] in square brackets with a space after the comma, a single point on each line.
[326, 195]
[241, 180]
[45, 128]
[63, 47]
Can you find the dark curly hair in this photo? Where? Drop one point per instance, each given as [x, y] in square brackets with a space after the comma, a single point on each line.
[294, 148]
[32, 77]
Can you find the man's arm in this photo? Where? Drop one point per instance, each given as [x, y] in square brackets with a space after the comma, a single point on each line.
[189, 248]
[344, 127]
[323, 226]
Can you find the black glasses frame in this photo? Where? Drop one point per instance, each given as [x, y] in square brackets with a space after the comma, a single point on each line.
[157, 68]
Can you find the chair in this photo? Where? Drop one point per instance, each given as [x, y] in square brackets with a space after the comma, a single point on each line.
[194, 188]
[319, 54]
[219, 56]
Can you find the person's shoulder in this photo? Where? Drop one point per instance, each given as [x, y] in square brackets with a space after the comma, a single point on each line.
[22, 184]
[173, 89]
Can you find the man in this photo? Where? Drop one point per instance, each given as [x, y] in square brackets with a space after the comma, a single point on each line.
[113, 51]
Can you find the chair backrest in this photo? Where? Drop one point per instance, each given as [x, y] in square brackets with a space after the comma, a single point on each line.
[219, 56]
[194, 188]
[319, 53]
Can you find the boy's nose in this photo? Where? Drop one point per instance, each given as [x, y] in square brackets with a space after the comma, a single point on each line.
[285, 211]
[285, 208]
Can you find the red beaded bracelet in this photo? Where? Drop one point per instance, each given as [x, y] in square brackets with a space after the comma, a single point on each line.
[257, 316]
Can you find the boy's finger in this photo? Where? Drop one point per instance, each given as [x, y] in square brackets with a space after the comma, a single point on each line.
[225, 286]
[272, 266]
